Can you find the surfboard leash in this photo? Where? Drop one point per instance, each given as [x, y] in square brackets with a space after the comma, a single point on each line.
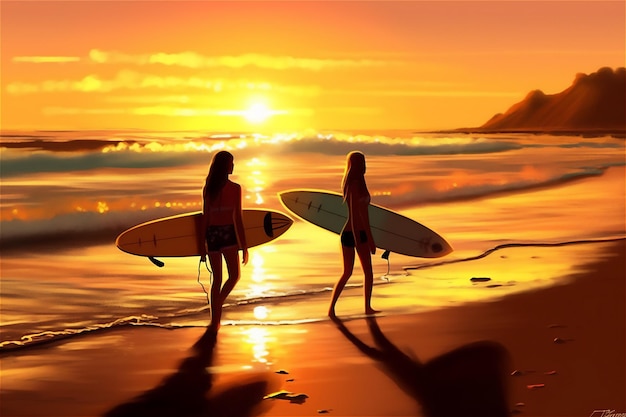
[385, 256]
[208, 302]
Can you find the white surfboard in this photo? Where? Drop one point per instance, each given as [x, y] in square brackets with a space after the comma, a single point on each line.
[176, 236]
[391, 231]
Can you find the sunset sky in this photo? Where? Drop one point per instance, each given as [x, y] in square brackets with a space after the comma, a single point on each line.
[242, 66]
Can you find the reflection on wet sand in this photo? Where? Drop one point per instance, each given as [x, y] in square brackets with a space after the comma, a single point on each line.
[469, 381]
[190, 391]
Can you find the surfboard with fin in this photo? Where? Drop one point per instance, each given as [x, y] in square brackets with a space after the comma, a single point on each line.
[176, 236]
[391, 231]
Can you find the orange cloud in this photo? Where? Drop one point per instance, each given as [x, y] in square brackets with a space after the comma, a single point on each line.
[424, 93]
[195, 60]
[46, 59]
[133, 80]
[168, 111]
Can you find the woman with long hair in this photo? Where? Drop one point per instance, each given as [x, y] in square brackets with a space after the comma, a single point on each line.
[222, 230]
[356, 235]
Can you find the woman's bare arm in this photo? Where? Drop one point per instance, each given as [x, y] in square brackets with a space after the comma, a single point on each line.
[238, 220]
[205, 220]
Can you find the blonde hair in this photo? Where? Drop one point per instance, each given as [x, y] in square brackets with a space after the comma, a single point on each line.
[354, 173]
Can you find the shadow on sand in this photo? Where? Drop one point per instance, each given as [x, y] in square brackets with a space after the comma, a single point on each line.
[469, 381]
[191, 392]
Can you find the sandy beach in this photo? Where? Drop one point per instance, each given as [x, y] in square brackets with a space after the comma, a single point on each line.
[552, 352]
[499, 127]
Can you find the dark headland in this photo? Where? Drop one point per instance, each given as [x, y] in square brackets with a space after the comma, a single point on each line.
[595, 104]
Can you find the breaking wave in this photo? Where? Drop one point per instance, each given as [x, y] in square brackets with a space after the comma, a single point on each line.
[161, 152]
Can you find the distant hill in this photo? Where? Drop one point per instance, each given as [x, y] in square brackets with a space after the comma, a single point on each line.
[593, 103]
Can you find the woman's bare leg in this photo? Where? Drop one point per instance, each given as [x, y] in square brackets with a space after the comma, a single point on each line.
[215, 260]
[234, 272]
[368, 281]
[348, 266]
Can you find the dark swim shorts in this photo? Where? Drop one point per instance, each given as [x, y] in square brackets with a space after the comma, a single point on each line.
[347, 238]
[220, 237]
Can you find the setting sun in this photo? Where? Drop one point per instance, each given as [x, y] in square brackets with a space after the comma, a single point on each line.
[356, 71]
[257, 113]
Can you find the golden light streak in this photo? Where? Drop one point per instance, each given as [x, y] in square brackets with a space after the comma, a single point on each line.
[46, 59]
[258, 288]
[190, 59]
[102, 207]
[255, 114]
[84, 205]
[133, 80]
[256, 178]
[257, 338]
[426, 93]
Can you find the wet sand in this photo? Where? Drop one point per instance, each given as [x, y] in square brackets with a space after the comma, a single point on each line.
[558, 351]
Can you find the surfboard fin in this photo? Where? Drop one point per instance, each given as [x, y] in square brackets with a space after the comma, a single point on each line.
[386, 254]
[155, 261]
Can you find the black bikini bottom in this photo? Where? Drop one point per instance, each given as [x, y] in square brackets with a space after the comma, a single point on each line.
[347, 238]
[220, 237]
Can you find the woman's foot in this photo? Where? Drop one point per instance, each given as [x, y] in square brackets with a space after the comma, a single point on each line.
[370, 311]
[207, 340]
[213, 328]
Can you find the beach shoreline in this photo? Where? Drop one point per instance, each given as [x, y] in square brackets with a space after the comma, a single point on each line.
[557, 351]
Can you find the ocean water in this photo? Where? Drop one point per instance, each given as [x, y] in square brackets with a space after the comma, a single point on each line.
[66, 196]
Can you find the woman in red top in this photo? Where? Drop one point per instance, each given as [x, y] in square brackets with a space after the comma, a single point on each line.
[223, 230]
[356, 234]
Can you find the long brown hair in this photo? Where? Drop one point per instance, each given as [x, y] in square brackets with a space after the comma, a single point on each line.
[354, 175]
[218, 174]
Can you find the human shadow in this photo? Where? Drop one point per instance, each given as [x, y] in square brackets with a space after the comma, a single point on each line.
[469, 381]
[190, 391]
